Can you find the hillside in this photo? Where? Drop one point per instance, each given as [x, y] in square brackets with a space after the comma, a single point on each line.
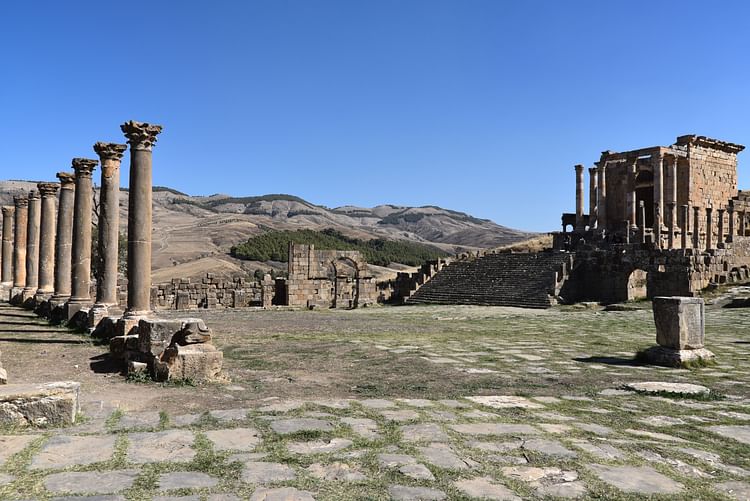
[193, 234]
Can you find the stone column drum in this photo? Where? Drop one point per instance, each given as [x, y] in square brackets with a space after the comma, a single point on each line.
[32, 245]
[141, 137]
[47, 241]
[81, 251]
[592, 197]
[19, 243]
[685, 226]
[580, 226]
[696, 228]
[109, 221]
[64, 238]
[601, 199]
[6, 279]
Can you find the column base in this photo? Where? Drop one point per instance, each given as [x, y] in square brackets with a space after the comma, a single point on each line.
[76, 312]
[27, 296]
[97, 313]
[15, 296]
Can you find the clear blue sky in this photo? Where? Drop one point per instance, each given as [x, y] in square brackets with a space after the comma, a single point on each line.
[479, 106]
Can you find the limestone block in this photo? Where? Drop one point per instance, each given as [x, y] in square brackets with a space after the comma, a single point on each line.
[199, 362]
[120, 345]
[679, 322]
[669, 357]
[3, 376]
[155, 335]
[39, 404]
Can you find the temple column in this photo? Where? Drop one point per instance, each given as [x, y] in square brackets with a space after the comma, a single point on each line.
[659, 184]
[696, 228]
[685, 210]
[632, 206]
[642, 210]
[709, 228]
[81, 250]
[670, 225]
[19, 243]
[720, 226]
[47, 240]
[6, 279]
[64, 238]
[592, 197]
[601, 199]
[657, 225]
[730, 216]
[141, 137]
[673, 186]
[32, 245]
[109, 221]
[742, 223]
[580, 226]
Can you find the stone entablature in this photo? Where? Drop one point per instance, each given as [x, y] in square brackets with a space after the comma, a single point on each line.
[328, 279]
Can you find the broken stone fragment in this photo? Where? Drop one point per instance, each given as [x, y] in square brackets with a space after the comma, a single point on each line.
[155, 335]
[39, 404]
[120, 346]
[193, 331]
[198, 362]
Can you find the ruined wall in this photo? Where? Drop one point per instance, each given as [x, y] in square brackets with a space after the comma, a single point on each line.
[713, 170]
[210, 292]
[328, 279]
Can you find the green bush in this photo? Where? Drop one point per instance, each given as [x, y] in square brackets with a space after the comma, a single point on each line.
[274, 246]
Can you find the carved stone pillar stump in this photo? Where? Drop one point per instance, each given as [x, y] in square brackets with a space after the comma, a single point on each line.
[680, 332]
[63, 239]
[48, 192]
[21, 203]
[141, 137]
[7, 249]
[80, 298]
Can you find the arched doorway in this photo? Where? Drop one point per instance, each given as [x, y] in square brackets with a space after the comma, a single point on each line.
[345, 283]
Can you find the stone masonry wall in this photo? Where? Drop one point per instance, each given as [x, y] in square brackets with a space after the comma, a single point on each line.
[713, 177]
[210, 292]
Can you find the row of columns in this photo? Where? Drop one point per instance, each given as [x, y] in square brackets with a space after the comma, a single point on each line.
[48, 256]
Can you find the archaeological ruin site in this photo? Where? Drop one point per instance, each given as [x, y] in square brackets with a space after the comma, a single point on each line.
[610, 364]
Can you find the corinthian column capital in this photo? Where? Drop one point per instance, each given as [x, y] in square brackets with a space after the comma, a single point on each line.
[84, 166]
[109, 151]
[141, 135]
[48, 189]
[21, 201]
[8, 210]
[67, 180]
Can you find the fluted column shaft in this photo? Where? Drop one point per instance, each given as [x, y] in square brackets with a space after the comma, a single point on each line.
[64, 235]
[593, 183]
[7, 251]
[141, 137]
[47, 238]
[109, 221]
[580, 226]
[19, 241]
[32, 243]
[601, 199]
[81, 251]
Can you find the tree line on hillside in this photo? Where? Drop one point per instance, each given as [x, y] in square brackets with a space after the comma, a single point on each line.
[274, 246]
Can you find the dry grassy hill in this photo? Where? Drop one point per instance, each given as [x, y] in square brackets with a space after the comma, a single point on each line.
[193, 234]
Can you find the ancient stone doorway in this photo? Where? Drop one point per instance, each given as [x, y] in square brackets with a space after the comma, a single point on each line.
[637, 285]
[644, 192]
[346, 284]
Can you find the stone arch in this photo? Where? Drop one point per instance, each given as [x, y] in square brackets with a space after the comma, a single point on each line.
[637, 284]
[345, 282]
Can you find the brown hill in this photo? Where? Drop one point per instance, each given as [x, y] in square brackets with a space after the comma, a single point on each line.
[193, 234]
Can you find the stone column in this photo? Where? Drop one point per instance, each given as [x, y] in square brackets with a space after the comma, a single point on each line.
[720, 226]
[109, 222]
[32, 245]
[642, 207]
[657, 225]
[742, 223]
[659, 183]
[6, 279]
[47, 241]
[696, 228]
[670, 225]
[19, 243]
[685, 226]
[673, 182]
[580, 226]
[730, 232]
[592, 197]
[81, 251]
[601, 199]
[709, 228]
[632, 206]
[141, 137]
[64, 238]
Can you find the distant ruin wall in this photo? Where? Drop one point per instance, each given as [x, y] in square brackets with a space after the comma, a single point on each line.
[211, 292]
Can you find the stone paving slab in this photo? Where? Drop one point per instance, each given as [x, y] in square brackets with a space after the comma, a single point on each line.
[65, 450]
[238, 439]
[641, 480]
[152, 447]
[186, 480]
[90, 482]
[13, 444]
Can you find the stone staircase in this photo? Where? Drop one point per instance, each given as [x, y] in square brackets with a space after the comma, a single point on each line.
[526, 280]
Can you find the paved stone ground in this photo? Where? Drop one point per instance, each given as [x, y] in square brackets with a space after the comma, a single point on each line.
[527, 431]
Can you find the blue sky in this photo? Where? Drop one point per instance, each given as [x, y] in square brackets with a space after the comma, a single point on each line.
[479, 106]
